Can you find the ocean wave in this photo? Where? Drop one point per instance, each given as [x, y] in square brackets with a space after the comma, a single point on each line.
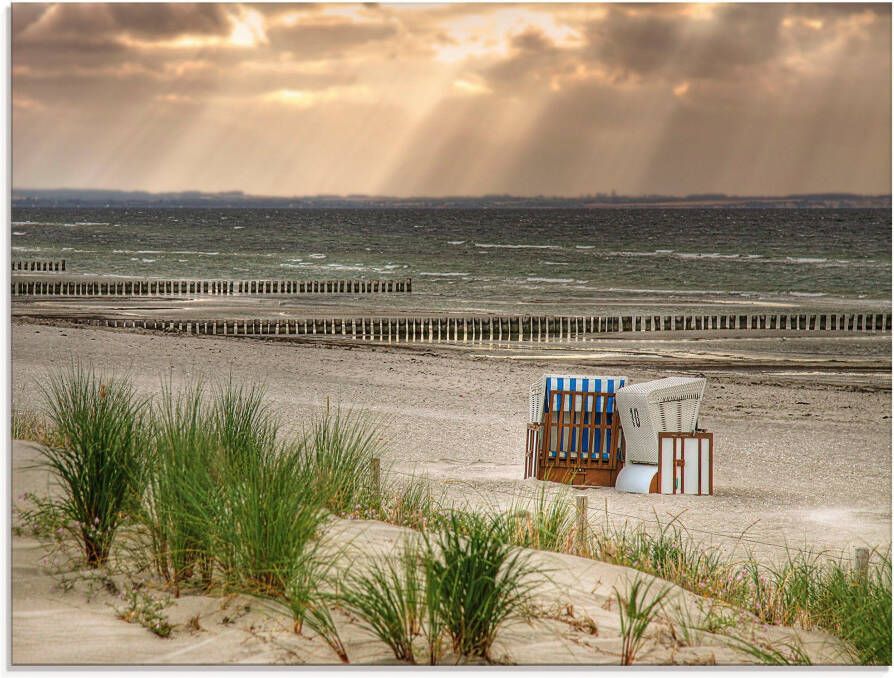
[238, 228]
[705, 255]
[807, 260]
[316, 256]
[345, 267]
[698, 292]
[20, 232]
[584, 247]
[19, 248]
[517, 247]
[89, 223]
[678, 255]
[626, 253]
[821, 262]
[555, 263]
[199, 252]
[436, 274]
[455, 242]
[551, 280]
[658, 290]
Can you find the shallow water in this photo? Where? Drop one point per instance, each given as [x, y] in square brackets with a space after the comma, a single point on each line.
[511, 259]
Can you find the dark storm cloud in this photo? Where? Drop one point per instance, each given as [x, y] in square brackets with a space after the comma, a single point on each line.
[154, 21]
[23, 15]
[64, 21]
[318, 40]
[533, 57]
[646, 42]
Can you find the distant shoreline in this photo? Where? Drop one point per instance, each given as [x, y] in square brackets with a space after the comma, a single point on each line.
[77, 198]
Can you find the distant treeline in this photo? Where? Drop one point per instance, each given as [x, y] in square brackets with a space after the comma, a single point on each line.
[110, 198]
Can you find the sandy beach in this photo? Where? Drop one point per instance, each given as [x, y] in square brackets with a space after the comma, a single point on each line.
[802, 448]
[286, 282]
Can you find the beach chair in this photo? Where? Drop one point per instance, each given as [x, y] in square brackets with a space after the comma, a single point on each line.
[573, 435]
[665, 409]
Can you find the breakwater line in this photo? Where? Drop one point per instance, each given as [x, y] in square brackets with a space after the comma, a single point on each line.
[498, 329]
[183, 288]
[38, 265]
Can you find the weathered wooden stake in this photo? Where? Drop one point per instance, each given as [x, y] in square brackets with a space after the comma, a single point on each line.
[376, 472]
[861, 560]
[581, 504]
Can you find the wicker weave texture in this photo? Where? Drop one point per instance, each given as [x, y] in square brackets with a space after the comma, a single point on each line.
[669, 404]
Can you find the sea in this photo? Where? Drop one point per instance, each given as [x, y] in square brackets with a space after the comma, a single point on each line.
[507, 260]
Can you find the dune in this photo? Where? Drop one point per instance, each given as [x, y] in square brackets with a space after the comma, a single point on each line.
[72, 617]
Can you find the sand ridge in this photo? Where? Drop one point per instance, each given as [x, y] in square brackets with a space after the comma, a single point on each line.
[74, 617]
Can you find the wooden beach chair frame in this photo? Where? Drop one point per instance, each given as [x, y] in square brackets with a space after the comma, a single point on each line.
[587, 439]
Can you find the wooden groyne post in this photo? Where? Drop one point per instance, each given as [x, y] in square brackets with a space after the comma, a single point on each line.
[499, 330]
[38, 265]
[179, 288]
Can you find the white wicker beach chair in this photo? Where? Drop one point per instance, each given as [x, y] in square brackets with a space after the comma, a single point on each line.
[664, 405]
[668, 405]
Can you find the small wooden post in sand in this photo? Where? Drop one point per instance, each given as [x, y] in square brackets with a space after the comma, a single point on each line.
[376, 472]
[861, 560]
[581, 504]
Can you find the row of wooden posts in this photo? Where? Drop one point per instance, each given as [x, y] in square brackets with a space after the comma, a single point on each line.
[39, 265]
[500, 329]
[167, 288]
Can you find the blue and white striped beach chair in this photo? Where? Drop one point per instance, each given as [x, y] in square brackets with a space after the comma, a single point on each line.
[569, 428]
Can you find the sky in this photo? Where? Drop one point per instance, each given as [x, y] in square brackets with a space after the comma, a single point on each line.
[453, 99]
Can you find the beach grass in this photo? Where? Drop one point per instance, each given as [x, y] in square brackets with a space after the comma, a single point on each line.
[638, 607]
[337, 456]
[219, 494]
[478, 580]
[544, 523]
[410, 503]
[181, 482]
[99, 463]
[225, 492]
[266, 517]
[457, 587]
[390, 599]
[813, 591]
[31, 425]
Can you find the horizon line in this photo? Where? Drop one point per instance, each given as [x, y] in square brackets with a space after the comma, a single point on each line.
[611, 195]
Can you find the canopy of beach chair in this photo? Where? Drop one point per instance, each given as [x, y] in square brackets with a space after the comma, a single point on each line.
[540, 390]
[663, 405]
